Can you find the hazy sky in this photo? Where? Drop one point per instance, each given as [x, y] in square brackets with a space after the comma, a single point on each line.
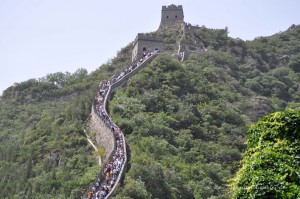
[38, 37]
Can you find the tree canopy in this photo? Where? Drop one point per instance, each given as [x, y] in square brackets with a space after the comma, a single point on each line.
[185, 122]
[271, 163]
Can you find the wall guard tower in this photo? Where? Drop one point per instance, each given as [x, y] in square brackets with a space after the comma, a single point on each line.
[144, 43]
[171, 15]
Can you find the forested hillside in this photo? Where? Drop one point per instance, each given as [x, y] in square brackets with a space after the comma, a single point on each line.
[44, 152]
[185, 122]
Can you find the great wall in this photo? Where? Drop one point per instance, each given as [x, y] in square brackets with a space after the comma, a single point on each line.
[108, 134]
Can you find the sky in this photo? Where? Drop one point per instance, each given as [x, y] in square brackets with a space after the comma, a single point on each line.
[38, 37]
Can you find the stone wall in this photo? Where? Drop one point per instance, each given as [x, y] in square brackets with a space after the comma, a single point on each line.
[146, 43]
[171, 14]
[104, 137]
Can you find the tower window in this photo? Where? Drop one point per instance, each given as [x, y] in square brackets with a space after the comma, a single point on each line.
[167, 17]
[144, 49]
[176, 17]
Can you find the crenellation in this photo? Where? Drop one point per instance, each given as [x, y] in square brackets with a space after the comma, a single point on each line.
[146, 37]
[172, 7]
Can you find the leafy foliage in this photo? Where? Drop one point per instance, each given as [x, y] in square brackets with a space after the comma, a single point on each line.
[271, 162]
[184, 121]
[44, 148]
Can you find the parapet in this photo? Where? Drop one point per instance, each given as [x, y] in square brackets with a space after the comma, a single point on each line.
[172, 7]
[147, 37]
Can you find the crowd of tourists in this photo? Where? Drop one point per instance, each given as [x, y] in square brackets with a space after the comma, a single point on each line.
[108, 177]
[131, 67]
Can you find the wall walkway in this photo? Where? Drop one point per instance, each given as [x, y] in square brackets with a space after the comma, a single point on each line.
[109, 135]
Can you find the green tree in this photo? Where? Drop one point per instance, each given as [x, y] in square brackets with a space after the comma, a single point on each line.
[271, 164]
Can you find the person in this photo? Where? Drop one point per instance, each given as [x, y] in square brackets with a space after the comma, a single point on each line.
[97, 185]
[107, 177]
[103, 193]
[89, 194]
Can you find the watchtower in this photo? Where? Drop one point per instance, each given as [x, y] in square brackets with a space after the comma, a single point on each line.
[171, 14]
[144, 43]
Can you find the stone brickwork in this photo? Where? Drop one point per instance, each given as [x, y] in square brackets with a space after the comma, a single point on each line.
[144, 43]
[104, 137]
[171, 14]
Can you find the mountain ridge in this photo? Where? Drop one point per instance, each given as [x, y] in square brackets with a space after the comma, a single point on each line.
[189, 118]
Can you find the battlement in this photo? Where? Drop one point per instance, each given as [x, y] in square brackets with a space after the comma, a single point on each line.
[146, 37]
[172, 7]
